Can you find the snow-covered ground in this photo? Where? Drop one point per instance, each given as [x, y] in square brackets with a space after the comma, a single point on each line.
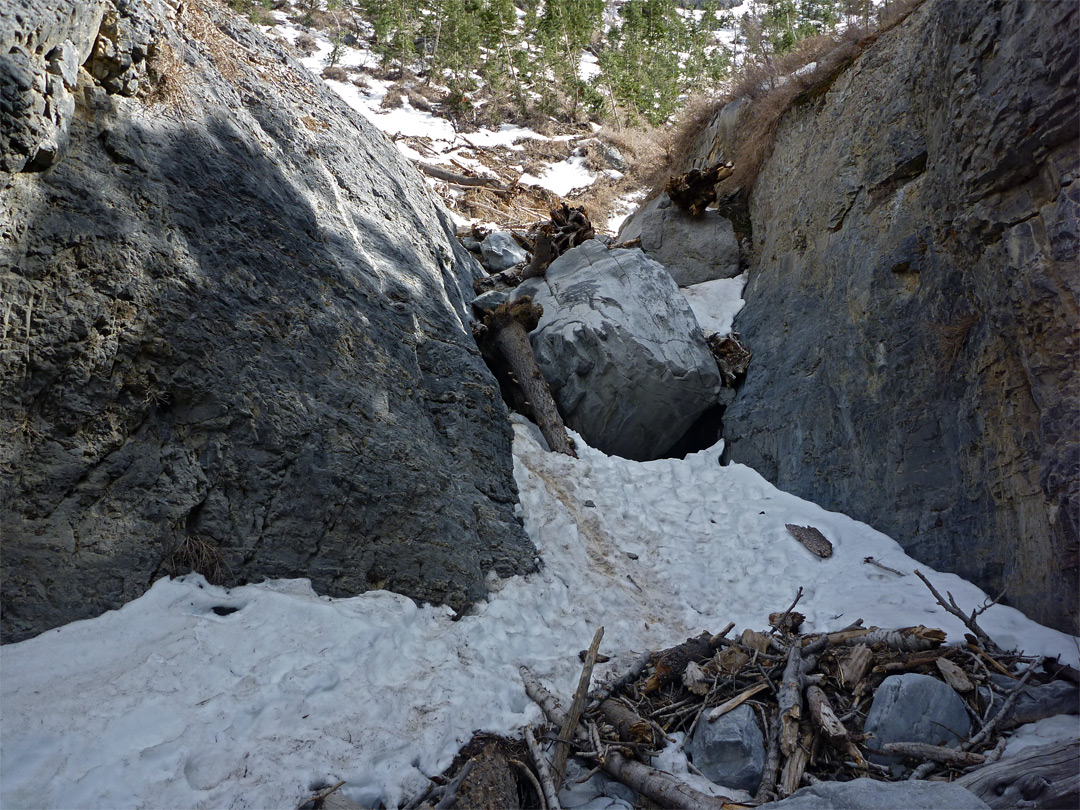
[166, 703]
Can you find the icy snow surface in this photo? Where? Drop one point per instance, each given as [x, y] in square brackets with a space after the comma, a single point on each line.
[716, 303]
[165, 703]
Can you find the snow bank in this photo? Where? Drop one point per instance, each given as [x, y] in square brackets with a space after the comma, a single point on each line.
[166, 703]
[716, 303]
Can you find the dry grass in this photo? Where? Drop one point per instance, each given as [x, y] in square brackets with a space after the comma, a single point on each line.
[167, 79]
[952, 337]
[772, 89]
[336, 73]
[305, 45]
[197, 554]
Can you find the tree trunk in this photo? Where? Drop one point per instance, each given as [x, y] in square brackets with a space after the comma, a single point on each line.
[508, 326]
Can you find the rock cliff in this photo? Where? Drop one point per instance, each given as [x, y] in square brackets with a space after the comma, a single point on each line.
[912, 308]
[234, 329]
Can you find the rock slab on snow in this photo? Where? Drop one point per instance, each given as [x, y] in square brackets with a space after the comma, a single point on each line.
[239, 335]
[867, 794]
[692, 249]
[621, 349]
[915, 708]
[730, 751]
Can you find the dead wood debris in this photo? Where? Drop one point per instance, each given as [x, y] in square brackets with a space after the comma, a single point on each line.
[546, 241]
[732, 358]
[811, 692]
[694, 191]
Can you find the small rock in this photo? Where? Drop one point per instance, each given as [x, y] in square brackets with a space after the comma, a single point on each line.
[499, 251]
[489, 301]
[915, 708]
[731, 751]
[1035, 701]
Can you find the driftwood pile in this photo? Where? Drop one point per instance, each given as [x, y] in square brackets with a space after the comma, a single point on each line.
[810, 691]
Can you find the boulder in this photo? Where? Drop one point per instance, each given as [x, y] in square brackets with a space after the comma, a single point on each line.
[915, 708]
[731, 751]
[621, 350]
[692, 249]
[913, 312]
[500, 251]
[242, 342]
[868, 794]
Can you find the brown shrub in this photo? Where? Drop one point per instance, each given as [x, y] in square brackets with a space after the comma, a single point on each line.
[393, 97]
[305, 45]
[336, 73]
[200, 555]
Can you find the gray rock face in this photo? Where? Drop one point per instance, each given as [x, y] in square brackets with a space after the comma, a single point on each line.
[692, 249]
[913, 313]
[621, 349]
[500, 251]
[915, 708]
[42, 45]
[866, 794]
[731, 751]
[237, 322]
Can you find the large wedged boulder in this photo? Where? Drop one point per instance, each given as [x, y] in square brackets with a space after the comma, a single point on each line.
[236, 332]
[621, 349]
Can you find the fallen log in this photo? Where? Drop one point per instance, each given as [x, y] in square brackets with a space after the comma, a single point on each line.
[630, 726]
[801, 661]
[796, 763]
[855, 665]
[936, 753]
[671, 663]
[506, 328]
[824, 715]
[1046, 776]
[551, 793]
[448, 176]
[905, 639]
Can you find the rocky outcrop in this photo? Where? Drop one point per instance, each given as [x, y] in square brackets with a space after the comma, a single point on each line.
[913, 309]
[235, 331]
[621, 349]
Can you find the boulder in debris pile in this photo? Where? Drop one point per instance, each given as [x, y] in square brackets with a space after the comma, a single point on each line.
[500, 251]
[915, 708]
[621, 349]
[867, 794]
[693, 249]
[730, 751]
